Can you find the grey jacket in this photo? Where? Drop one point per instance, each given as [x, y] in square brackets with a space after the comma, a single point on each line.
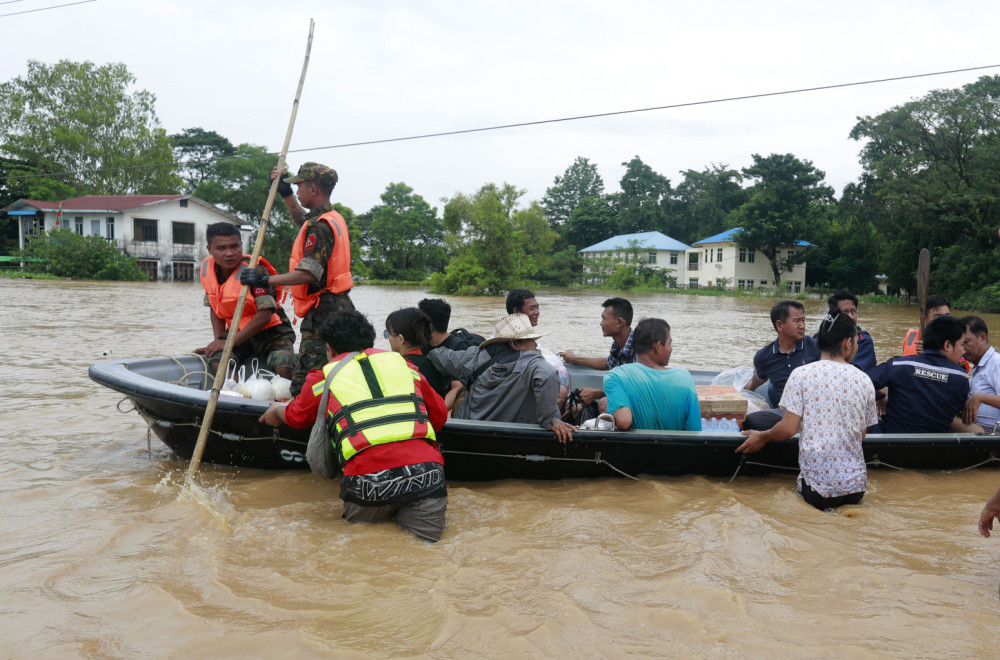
[525, 391]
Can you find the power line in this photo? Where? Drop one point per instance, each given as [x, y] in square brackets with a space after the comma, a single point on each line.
[536, 122]
[29, 11]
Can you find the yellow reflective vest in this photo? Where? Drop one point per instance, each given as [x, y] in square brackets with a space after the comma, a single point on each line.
[378, 401]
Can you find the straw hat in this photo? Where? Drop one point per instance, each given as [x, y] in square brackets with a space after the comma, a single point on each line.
[512, 328]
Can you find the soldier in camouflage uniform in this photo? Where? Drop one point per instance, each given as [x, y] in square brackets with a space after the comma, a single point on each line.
[322, 241]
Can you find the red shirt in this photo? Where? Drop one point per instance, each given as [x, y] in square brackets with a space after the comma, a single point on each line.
[301, 413]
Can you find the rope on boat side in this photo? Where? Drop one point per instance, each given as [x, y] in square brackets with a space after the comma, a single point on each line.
[150, 420]
[538, 458]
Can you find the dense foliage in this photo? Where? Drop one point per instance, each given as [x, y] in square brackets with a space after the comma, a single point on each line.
[64, 253]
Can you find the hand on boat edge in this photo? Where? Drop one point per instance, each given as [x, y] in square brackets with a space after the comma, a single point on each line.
[563, 431]
[753, 444]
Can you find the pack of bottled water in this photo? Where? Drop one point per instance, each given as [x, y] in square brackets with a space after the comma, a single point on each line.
[724, 425]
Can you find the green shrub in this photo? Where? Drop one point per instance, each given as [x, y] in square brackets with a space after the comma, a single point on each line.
[65, 253]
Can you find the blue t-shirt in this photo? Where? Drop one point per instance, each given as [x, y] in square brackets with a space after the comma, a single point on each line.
[771, 364]
[664, 399]
[925, 392]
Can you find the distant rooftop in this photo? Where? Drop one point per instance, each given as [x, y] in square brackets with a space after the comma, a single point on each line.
[647, 240]
[728, 237]
[113, 203]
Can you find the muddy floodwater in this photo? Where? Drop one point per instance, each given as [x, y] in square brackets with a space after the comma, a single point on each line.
[103, 554]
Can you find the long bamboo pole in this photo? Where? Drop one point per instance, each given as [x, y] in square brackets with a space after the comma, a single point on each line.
[213, 397]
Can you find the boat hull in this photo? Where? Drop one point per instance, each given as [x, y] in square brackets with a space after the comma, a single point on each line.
[170, 394]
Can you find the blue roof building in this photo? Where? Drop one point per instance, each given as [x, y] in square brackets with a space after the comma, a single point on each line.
[717, 261]
[651, 248]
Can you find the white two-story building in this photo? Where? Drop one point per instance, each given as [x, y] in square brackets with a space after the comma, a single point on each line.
[652, 248]
[717, 261]
[165, 233]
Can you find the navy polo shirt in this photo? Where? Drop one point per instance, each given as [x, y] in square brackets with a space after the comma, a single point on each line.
[771, 364]
[925, 392]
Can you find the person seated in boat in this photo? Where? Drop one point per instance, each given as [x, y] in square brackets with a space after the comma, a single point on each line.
[649, 394]
[506, 379]
[523, 301]
[408, 331]
[934, 307]
[844, 302]
[616, 322]
[263, 331]
[776, 361]
[830, 404]
[381, 419]
[439, 312]
[926, 391]
[982, 410]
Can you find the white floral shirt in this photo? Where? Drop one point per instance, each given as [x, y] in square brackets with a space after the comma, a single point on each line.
[836, 402]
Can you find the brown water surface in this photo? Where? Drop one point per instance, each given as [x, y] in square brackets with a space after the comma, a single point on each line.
[103, 555]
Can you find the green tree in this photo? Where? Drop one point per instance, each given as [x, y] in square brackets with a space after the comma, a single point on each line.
[932, 179]
[81, 119]
[580, 180]
[592, 221]
[402, 237]
[198, 153]
[533, 232]
[67, 254]
[705, 203]
[787, 198]
[644, 201]
[488, 258]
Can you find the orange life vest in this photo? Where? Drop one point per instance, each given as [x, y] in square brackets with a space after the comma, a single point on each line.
[338, 268]
[223, 297]
[910, 342]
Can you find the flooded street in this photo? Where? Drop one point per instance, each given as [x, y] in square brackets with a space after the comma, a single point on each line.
[102, 556]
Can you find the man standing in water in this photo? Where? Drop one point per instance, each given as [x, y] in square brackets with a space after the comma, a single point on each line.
[381, 418]
[319, 276]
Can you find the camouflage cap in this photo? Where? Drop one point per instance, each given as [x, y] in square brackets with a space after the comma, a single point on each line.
[314, 173]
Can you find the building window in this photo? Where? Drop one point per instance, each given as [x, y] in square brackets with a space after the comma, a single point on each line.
[652, 257]
[742, 284]
[95, 227]
[796, 287]
[749, 285]
[743, 255]
[791, 254]
[151, 267]
[673, 258]
[109, 229]
[145, 230]
[78, 224]
[184, 271]
[183, 233]
[693, 283]
[750, 256]
[763, 282]
[718, 255]
[184, 203]
[36, 226]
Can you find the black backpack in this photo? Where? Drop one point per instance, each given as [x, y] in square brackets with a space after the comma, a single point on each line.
[464, 339]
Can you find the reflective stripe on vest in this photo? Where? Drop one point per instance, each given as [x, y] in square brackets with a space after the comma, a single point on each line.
[337, 269]
[223, 297]
[379, 404]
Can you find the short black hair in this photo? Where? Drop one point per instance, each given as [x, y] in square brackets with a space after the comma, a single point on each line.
[833, 302]
[621, 309]
[220, 229]
[411, 323]
[975, 325]
[942, 329]
[781, 311]
[516, 298]
[438, 311]
[936, 301]
[346, 331]
[833, 330]
[649, 331]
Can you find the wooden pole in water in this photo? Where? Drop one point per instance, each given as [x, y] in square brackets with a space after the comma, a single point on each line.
[213, 397]
[923, 281]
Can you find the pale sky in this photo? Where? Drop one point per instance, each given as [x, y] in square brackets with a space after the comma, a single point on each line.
[389, 69]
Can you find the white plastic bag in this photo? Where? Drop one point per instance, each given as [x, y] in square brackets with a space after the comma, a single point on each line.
[282, 388]
[739, 377]
[229, 386]
[256, 386]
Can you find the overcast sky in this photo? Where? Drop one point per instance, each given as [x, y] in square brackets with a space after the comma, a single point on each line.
[390, 69]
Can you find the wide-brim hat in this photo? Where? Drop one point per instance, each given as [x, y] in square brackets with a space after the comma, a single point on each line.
[512, 327]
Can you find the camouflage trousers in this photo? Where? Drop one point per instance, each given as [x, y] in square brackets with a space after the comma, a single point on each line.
[273, 348]
[312, 348]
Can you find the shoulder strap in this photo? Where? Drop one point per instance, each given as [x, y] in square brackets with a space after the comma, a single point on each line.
[319, 426]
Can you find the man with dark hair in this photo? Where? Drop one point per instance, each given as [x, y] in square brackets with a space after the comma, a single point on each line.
[934, 307]
[381, 418]
[522, 301]
[319, 277]
[439, 312]
[844, 302]
[926, 391]
[616, 322]
[983, 407]
[776, 361]
[648, 394]
[263, 331]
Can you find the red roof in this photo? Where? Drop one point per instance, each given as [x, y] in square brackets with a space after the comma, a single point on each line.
[104, 202]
